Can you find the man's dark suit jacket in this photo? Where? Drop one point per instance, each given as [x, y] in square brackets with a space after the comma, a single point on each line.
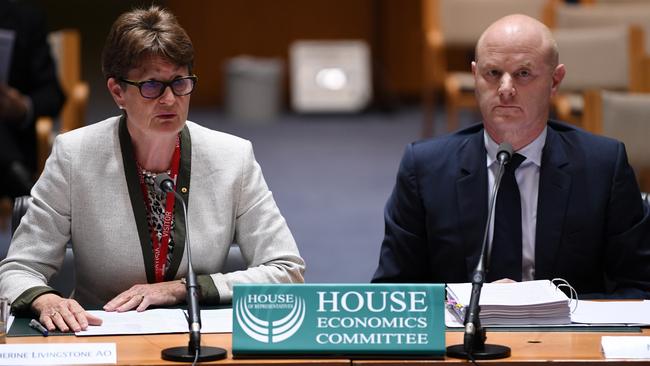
[593, 229]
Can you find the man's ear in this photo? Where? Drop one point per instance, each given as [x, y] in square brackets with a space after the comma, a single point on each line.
[558, 76]
[116, 91]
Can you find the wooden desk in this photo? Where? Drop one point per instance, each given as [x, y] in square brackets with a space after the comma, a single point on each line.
[145, 349]
[529, 348]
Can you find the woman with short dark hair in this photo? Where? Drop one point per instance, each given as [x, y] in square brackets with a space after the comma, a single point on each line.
[98, 190]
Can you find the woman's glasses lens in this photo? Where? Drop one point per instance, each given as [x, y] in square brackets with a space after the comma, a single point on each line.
[182, 86]
[153, 89]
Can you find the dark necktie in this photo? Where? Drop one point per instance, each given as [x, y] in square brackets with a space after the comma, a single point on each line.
[505, 258]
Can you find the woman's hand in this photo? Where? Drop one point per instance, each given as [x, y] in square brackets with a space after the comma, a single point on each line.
[140, 297]
[65, 314]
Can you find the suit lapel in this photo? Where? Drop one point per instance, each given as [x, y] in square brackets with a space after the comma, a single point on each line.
[137, 200]
[183, 188]
[472, 202]
[554, 186]
[140, 211]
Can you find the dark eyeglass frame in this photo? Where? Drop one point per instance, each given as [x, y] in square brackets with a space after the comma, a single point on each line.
[165, 84]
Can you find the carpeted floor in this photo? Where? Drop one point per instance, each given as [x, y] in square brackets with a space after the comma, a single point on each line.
[330, 176]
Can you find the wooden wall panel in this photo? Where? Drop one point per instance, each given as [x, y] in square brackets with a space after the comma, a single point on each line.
[400, 42]
[224, 29]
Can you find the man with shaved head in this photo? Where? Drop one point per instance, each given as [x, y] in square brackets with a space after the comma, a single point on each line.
[572, 210]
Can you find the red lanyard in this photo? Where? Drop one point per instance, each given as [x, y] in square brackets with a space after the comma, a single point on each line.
[160, 247]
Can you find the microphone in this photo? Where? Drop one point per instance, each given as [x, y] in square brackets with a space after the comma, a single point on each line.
[474, 346]
[194, 351]
[504, 153]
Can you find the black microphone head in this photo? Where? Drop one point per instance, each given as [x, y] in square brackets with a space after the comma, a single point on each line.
[164, 183]
[504, 152]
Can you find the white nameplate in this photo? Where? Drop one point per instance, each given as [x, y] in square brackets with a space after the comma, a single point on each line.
[58, 353]
[626, 347]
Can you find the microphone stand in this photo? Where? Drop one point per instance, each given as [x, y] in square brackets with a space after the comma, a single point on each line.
[474, 347]
[194, 351]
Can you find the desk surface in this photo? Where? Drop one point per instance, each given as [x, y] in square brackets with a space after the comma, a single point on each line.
[145, 349]
[561, 348]
[529, 348]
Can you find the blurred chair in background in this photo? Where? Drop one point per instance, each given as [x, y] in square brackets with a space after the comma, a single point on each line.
[607, 13]
[65, 46]
[615, 13]
[625, 117]
[66, 51]
[452, 28]
[28, 89]
[607, 57]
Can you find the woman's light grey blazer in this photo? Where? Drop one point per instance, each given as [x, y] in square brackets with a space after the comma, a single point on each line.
[83, 195]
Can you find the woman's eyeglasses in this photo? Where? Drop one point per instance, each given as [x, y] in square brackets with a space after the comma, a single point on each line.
[152, 89]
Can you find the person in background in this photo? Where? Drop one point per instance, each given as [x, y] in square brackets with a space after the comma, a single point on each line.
[98, 191]
[30, 90]
[577, 206]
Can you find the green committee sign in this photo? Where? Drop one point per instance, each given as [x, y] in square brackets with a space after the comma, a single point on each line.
[339, 319]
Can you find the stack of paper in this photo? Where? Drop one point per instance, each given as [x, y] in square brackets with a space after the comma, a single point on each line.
[517, 303]
[157, 321]
[614, 313]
